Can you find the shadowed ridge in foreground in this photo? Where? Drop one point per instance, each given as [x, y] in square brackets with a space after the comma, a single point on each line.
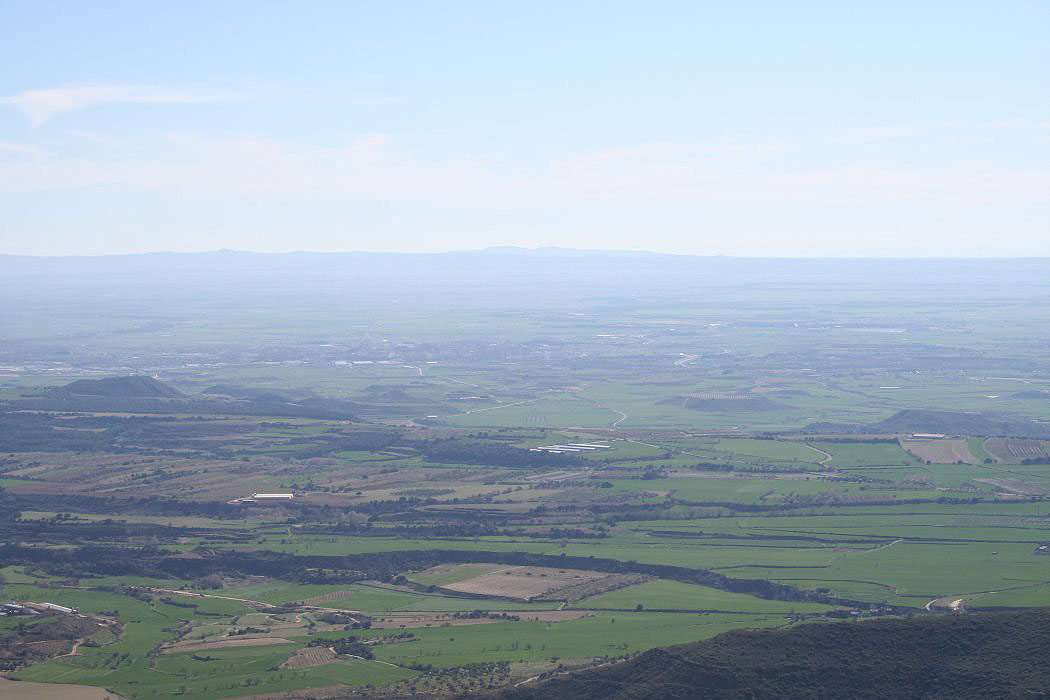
[989, 655]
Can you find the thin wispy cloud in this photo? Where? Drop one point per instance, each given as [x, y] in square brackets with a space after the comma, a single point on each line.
[872, 134]
[22, 149]
[374, 167]
[40, 105]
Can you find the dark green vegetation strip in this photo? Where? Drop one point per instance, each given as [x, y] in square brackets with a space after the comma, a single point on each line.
[377, 565]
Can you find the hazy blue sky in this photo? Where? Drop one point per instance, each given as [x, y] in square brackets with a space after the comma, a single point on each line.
[741, 128]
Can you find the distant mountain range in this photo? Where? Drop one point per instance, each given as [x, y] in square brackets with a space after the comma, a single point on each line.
[142, 394]
[510, 263]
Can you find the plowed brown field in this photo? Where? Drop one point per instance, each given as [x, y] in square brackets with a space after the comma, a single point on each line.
[1016, 449]
[942, 451]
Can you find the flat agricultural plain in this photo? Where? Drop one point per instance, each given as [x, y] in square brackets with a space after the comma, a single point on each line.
[404, 418]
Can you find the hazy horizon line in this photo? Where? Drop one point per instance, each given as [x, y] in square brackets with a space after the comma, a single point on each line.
[519, 250]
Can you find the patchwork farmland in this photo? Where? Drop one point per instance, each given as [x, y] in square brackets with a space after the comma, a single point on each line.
[484, 491]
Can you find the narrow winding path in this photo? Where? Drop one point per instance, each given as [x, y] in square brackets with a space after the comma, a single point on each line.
[827, 455]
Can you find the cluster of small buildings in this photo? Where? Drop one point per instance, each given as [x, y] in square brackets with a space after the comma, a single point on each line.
[34, 609]
[265, 498]
[571, 447]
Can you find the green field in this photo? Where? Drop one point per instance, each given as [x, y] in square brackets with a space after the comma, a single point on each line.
[672, 595]
[604, 634]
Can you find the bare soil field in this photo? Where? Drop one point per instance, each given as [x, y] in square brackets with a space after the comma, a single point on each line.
[1016, 486]
[593, 587]
[1016, 449]
[942, 451]
[308, 656]
[65, 472]
[523, 582]
[21, 690]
